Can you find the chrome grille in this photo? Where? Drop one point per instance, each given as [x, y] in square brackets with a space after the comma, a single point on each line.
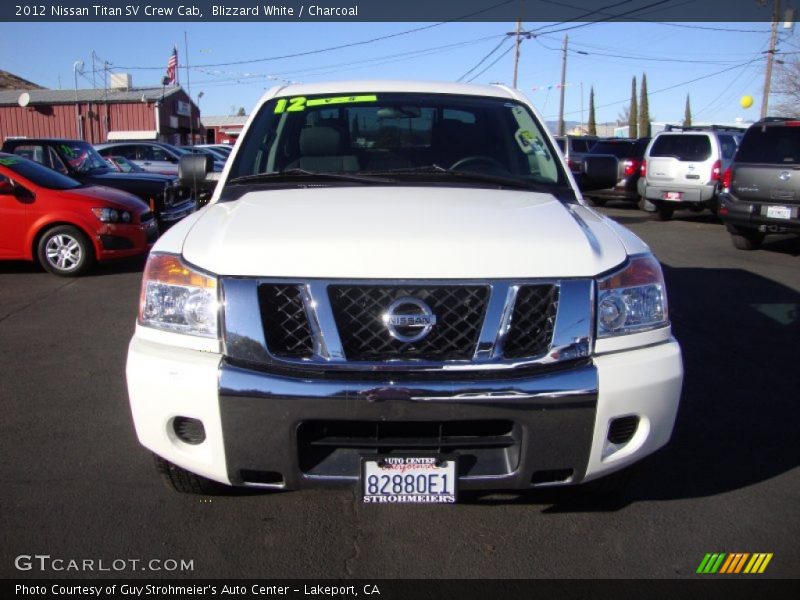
[532, 321]
[358, 312]
[283, 316]
[338, 325]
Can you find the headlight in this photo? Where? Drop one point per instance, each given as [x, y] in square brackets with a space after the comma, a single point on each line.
[177, 298]
[112, 215]
[633, 299]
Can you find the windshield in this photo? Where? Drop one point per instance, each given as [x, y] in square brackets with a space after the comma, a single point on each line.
[37, 174]
[81, 157]
[404, 136]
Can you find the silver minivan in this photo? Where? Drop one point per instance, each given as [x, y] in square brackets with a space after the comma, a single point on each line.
[683, 167]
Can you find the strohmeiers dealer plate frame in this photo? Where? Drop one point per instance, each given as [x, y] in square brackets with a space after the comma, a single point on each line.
[409, 479]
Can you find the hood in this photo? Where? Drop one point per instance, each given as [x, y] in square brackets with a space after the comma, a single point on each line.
[112, 178]
[401, 232]
[102, 197]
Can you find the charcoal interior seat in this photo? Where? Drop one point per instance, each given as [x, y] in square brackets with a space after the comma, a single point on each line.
[322, 149]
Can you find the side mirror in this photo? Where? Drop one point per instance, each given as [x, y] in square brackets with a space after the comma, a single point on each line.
[598, 172]
[193, 168]
[6, 188]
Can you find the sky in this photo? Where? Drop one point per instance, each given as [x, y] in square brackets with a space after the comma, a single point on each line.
[715, 63]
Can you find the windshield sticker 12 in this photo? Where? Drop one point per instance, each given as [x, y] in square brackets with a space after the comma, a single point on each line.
[299, 103]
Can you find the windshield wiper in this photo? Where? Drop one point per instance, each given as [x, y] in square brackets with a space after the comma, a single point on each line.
[302, 174]
[503, 180]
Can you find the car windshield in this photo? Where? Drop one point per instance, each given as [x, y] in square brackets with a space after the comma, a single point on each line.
[124, 165]
[402, 136]
[81, 156]
[774, 145]
[38, 174]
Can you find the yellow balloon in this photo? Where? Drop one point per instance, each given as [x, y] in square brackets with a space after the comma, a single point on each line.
[746, 101]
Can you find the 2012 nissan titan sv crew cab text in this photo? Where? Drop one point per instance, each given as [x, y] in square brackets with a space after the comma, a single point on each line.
[398, 286]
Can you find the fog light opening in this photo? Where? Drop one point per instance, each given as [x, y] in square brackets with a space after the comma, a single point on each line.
[188, 430]
[622, 429]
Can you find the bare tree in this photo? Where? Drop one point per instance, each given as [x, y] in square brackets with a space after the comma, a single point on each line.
[786, 90]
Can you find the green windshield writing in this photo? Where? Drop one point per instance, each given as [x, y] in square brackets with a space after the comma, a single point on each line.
[300, 103]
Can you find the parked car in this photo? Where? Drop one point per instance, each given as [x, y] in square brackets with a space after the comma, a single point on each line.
[123, 165]
[415, 292]
[66, 226]
[77, 159]
[630, 153]
[574, 148]
[225, 149]
[153, 157]
[218, 156]
[761, 188]
[683, 167]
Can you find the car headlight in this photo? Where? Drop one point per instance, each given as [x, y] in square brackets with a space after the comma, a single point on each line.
[112, 215]
[178, 298]
[633, 299]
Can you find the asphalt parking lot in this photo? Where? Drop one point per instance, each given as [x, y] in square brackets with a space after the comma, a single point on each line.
[77, 485]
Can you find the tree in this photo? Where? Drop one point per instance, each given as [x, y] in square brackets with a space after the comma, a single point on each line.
[633, 113]
[687, 115]
[592, 125]
[241, 112]
[786, 90]
[644, 110]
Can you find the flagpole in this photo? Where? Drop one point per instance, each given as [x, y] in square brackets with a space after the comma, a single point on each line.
[189, 89]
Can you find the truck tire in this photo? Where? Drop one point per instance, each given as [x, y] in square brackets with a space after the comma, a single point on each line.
[746, 239]
[65, 250]
[186, 482]
[663, 213]
[596, 201]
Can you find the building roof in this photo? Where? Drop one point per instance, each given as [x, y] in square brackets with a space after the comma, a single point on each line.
[150, 94]
[218, 121]
[9, 81]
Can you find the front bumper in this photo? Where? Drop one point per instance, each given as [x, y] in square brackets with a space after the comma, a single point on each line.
[254, 421]
[173, 214]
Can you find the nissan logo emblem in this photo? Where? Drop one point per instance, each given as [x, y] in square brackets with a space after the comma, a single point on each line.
[785, 176]
[408, 319]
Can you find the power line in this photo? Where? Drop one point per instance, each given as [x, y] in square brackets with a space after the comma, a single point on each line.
[494, 62]
[485, 58]
[672, 87]
[341, 46]
[343, 66]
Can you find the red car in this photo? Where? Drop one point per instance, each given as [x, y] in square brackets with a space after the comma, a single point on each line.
[66, 226]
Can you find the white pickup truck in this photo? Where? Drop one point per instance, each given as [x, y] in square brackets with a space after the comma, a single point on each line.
[398, 286]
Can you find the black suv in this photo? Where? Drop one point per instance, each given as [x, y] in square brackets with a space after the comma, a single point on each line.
[761, 188]
[78, 159]
[629, 153]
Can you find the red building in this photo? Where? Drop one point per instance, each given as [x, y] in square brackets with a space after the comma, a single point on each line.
[99, 115]
[223, 130]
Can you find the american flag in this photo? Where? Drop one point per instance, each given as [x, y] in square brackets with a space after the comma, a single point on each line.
[172, 67]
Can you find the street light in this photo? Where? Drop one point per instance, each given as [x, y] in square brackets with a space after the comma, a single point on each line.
[77, 66]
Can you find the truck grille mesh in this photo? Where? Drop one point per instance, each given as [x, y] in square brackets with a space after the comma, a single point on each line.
[459, 312]
[358, 310]
[283, 315]
[532, 321]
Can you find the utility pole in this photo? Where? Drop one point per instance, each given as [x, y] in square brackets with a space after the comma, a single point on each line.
[516, 51]
[563, 85]
[773, 41]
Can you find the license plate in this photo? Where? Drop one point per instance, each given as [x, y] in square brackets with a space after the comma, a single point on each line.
[408, 479]
[672, 195]
[779, 212]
